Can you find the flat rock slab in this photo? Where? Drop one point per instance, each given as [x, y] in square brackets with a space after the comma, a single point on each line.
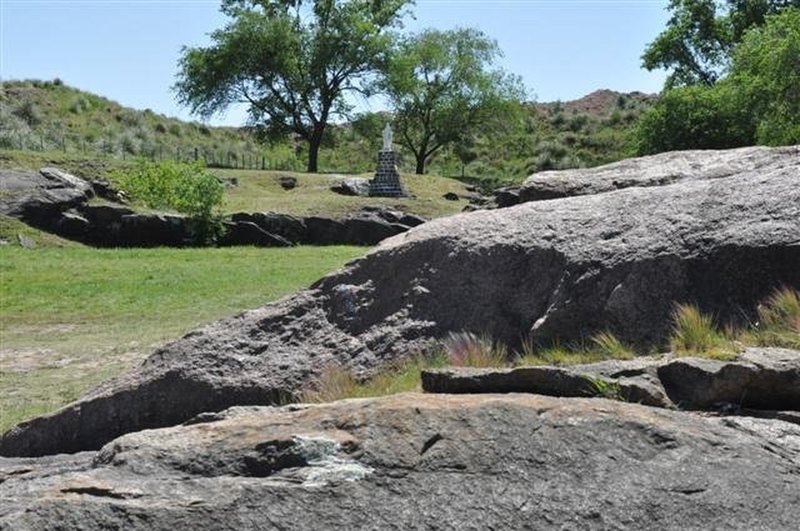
[555, 270]
[422, 462]
[759, 379]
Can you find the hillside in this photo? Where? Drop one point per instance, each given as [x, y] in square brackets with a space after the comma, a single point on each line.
[50, 116]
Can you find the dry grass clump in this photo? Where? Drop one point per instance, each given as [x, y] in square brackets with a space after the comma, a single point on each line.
[778, 320]
[601, 346]
[694, 334]
[465, 349]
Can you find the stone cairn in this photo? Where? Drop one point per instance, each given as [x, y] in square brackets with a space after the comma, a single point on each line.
[387, 179]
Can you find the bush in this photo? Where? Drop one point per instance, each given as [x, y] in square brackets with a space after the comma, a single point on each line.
[185, 188]
[779, 320]
[696, 117]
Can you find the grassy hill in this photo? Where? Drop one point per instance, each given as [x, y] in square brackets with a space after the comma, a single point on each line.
[49, 116]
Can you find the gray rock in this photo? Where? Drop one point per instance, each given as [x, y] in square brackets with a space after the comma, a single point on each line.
[73, 225]
[153, 230]
[411, 220]
[451, 196]
[288, 182]
[369, 230]
[545, 380]
[248, 233]
[761, 379]
[553, 271]
[656, 170]
[288, 227]
[40, 197]
[354, 186]
[423, 462]
[507, 196]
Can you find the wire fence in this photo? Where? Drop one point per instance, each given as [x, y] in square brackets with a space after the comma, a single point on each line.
[213, 158]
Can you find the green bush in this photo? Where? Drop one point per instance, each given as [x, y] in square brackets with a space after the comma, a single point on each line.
[696, 117]
[186, 188]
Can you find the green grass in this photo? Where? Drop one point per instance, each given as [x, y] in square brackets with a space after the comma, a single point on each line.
[11, 228]
[260, 191]
[694, 334]
[72, 317]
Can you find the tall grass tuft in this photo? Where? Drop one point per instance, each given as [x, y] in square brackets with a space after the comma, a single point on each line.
[465, 349]
[334, 383]
[608, 346]
[694, 334]
[779, 320]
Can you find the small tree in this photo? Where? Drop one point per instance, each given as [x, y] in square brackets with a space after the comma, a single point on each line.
[443, 91]
[290, 61]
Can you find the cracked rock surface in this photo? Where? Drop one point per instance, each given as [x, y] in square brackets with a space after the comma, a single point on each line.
[554, 270]
[418, 461]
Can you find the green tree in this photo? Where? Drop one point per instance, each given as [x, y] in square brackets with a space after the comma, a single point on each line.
[700, 36]
[291, 61]
[766, 72]
[757, 103]
[443, 91]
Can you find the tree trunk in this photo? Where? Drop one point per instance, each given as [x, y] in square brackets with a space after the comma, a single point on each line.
[313, 148]
[420, 164]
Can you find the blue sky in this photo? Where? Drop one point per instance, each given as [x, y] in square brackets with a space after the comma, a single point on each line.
[127, 50]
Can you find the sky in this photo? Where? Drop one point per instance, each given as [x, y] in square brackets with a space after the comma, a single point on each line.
[128, 50]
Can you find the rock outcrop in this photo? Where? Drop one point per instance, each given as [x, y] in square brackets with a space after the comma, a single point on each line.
[763, 379]
[550, 270]
[423, 462]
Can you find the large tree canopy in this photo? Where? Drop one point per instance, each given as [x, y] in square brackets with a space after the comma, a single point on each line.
[758, 102]
[700, 36]
[443, 90]
[291, 61]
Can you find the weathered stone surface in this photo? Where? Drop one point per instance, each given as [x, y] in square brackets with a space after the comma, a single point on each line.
[507, 196]
[545, 380]
[354, 186]
[760, 378]
[423, 462]
[555, 270]
[287, 182]
[73, 225]
[289, 227]
[153, 230]
[248, 233]
[40, 197]
[657, 170]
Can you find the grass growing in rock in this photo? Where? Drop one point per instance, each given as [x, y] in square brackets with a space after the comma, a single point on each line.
[694, 334]
[72, 317]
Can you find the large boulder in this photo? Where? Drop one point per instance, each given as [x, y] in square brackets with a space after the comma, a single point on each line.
[248, 233]
[550, 270]
[40, 197]
[423, 462]
[357, 186]
[654, 170]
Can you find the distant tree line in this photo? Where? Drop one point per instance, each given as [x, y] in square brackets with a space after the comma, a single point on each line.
[294, 63]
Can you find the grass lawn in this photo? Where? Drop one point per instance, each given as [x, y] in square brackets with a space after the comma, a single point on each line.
[71, 317]
[260, 191]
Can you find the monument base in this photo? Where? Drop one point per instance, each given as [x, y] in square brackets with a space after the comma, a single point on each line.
[387, 179]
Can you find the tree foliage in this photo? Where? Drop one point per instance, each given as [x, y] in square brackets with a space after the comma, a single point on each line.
[700, 36]
[757, 103]
[291, 61]
[443, 90]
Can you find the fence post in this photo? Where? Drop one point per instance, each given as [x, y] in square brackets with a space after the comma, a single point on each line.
[177, 154]
[262, 162]
[195, 154]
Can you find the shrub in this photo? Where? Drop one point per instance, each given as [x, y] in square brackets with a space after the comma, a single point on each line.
[185, 188]
[694, 334]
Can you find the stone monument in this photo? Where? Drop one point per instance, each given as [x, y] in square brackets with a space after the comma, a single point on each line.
[387, 179]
